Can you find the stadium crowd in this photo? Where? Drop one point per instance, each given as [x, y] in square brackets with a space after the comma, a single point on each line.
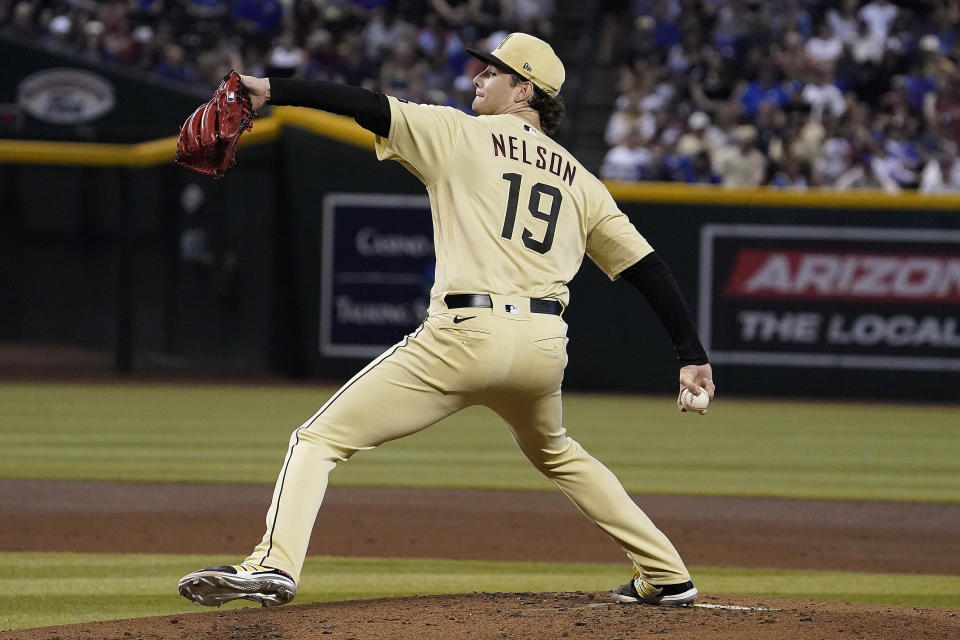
[414, 49]
[788, 93]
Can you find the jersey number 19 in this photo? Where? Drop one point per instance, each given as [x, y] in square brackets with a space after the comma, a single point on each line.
[537, 192]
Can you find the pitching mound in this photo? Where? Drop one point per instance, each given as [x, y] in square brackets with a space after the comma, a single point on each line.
[527, 615]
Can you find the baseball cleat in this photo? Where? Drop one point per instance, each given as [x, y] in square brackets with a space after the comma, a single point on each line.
[214, 586]
[640, 591]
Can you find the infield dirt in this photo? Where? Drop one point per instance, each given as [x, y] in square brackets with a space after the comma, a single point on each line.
[535, 526]
[498, 525]
[525, 615]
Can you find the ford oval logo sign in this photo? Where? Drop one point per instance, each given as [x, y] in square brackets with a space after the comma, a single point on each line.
[65, 96]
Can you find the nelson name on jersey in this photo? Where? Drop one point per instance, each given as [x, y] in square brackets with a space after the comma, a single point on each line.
[534, 155]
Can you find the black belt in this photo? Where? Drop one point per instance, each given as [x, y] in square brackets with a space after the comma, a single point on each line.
[483, 301]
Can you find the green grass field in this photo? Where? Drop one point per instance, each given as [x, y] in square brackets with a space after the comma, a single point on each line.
[40, 589]
[167, 433]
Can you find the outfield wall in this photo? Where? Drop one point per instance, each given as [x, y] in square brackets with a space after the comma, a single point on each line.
[111, 246]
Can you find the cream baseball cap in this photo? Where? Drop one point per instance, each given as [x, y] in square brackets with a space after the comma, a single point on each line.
[528, 57]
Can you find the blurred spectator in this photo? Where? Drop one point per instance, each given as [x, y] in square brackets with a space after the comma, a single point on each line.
[790, 59]
[891, 169]
[843, 21]
[792, 174]
[286, 58]
[23, 17]
[382, 32]
[401, 70]
[805, 140]
[438, 75]
[627, 160]
[740, 163]
[323, 62]
[259, 18]
[789, 16]
[867, 45]
[487, 16]
[533, 16]
[214, 64]
[901, 149]
[348, 62]
[729, 27]
[863, 176]
[690, 169]
[630, 116]
[172, 66]
[453, 12]
[833, 157]
[929, 64]
[710, 81]
[686, 53]
[943, 24]
[702, 171]
[765, 88]
[463, 93]
[92, 41]
[640, 43]
[941, 174]
[823, 95]
[701, 136]
[432, 36]
[666, 32]
[941, 107]
[879, 15]
[60, 28]
[771, 125]
[825, 47]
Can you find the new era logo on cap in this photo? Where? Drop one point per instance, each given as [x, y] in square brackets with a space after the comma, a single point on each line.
[526, 66]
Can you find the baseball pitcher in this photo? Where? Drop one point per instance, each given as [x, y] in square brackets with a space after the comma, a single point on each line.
[513, 216]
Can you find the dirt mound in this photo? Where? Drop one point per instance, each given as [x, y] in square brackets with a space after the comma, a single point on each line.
[527, 615]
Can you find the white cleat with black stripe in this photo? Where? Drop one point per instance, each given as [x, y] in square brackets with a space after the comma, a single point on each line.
[640, 591]
[214, 586]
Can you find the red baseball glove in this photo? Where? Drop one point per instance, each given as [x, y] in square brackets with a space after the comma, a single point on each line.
[208, 139]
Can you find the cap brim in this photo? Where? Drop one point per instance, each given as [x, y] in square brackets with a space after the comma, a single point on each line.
[489, 58]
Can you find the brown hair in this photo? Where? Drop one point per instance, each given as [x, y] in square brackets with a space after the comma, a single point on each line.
[551, 109]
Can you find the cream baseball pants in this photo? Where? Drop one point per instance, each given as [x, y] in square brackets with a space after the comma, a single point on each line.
[505, 358]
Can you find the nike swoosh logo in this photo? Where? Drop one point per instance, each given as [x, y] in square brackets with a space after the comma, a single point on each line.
[459, 319]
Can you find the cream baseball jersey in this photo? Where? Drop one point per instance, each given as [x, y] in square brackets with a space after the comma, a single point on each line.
[513, 212]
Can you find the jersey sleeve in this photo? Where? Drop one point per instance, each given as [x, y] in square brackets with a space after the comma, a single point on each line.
[422, 138]
[613, 243]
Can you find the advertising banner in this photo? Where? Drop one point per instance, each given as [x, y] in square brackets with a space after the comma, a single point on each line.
[66, 96]
[50, 95]
[376, 273]
[830, 296]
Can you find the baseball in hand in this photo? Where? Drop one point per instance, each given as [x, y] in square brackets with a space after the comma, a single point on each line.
[691, 402]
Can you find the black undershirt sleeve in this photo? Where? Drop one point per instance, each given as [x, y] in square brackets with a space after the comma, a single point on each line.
[370, 110]
[652, 277]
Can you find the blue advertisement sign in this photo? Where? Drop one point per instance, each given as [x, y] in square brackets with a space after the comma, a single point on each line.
[377, 267]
